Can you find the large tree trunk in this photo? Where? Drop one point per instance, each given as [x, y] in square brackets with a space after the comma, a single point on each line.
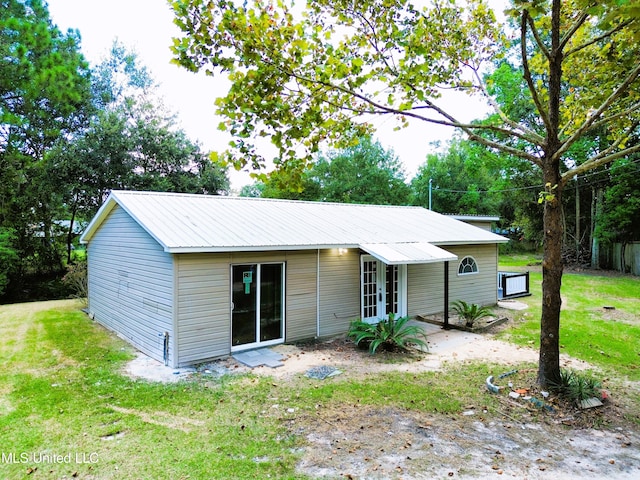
[549, 361]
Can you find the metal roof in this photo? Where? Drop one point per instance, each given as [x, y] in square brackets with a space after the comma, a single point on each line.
[206, 223]
[477, 218]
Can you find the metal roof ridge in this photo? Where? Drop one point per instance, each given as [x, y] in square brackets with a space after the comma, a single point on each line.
[256, 199]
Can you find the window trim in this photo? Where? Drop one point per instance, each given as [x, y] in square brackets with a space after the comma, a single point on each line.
[472, 263]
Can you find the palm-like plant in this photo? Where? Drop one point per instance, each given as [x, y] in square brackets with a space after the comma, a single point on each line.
[389, 334]
[470, 312]
[576, 386]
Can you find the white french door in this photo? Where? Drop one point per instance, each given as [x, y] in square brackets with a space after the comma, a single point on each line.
[383, 289]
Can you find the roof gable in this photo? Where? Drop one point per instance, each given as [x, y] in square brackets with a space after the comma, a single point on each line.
[205, 223]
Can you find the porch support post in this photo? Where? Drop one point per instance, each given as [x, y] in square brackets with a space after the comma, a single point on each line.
[446, 295]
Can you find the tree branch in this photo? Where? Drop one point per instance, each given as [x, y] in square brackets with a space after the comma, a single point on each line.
[597, 162]
[604, 121]
[531, 136]
[573, 29]
[451, 122]
[621, 138]
[527, 72]
[598, 38]
[591, 119]
[381, 109]
[536, 36]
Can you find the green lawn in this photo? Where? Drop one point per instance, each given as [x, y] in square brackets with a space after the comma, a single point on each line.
[61, 393]
[609, 339]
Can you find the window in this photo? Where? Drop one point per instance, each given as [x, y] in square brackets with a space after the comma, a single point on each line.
[467, 266]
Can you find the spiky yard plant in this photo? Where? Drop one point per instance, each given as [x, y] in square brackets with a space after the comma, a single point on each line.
[576, 386]
[389, 334]
[471, 312]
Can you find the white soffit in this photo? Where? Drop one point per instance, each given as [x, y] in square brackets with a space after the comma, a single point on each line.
[402, 253]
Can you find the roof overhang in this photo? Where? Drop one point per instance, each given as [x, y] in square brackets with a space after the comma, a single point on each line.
[404, 253]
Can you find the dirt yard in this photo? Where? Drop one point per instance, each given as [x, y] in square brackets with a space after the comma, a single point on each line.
[363, 442]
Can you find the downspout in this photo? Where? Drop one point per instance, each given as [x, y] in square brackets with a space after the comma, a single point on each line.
[446, 296]
[318, 293]
[165, 349]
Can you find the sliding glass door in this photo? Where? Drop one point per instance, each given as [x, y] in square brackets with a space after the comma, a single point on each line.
[257, 305]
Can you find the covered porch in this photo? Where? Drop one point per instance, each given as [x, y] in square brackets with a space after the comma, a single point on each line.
[384, 276]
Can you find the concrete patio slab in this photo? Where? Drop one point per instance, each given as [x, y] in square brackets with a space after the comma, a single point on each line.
[259, 357]
[440, 340]
[512, 305]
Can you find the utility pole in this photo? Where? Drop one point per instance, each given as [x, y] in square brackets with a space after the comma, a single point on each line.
[430, 182]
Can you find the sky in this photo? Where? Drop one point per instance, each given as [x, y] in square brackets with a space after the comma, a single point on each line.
[146, 27]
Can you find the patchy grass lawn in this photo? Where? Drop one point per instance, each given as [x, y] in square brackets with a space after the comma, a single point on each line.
[605, 337]
[62, 394]
[519, 260]
[67, 411]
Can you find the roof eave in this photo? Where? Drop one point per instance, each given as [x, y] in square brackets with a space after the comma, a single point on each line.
[98, 218]
[275, 248]
[105, 210]
[472, 242]
[254, 248]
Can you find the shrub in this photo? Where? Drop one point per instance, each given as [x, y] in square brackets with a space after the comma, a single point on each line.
[470, 312]
[76, 279]
[389, 334]
[576, 387]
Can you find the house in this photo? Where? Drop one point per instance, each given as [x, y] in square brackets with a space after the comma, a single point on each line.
[187, 278]
[480, 221]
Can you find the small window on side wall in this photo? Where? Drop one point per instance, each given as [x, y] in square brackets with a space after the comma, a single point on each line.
[467, 266]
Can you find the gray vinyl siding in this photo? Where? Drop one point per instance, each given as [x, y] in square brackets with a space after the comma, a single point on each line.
[339, 290]
[480, 224]
[131, 284]
[425, 288]
[203, 306]
[478, 287]
[204, 300]
[425, 294]
[301, 298]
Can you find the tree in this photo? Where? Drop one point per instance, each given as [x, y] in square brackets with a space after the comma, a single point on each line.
[44, 95]
[465, 178]
[618, 220]
[362, 173]
[303, 78]
[8, 257]
[130, 142]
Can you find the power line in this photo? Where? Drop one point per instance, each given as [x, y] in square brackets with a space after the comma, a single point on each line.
[487, 191]
[539, 186]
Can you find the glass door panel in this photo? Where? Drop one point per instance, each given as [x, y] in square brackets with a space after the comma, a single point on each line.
[271, 302]
[383, 289]
[370, 291]
[392, 290]
[244, 307]
[257, 310]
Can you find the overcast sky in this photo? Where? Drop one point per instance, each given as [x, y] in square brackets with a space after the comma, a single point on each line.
[146, 27]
